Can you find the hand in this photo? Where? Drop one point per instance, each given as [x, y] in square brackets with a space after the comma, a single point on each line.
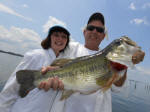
[44, 70]
[138, 57]
[121, 80]
[54, 83]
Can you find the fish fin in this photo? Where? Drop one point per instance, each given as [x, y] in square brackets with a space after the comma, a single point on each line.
[110, 82]
[61, 62]
[26, 80]
[66, 94]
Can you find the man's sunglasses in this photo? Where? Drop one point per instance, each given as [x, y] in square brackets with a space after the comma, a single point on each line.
[98, 29]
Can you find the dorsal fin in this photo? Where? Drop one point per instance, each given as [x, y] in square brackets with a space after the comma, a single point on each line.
[61, 62]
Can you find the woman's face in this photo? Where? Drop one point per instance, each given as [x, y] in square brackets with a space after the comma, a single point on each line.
[58, 41]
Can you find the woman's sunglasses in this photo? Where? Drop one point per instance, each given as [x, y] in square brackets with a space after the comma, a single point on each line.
[98, 29]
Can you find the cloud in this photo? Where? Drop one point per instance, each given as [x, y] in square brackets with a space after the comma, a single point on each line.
[18, 39]
[132, 6]
[139, 21]
[140, 74]
[25, 5]
[8, 10]
[146, 5]
[51, 22]
[143, 70]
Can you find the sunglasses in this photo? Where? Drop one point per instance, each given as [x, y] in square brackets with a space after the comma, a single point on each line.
[98, 29]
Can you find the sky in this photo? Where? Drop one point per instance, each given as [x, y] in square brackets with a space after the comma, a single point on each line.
[23, 24]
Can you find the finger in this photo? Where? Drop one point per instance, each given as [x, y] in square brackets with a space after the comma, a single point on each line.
[61, 85]
[48, 84]
[134, 60]
[142, 56]
[52, 67]
[41, 85]
[55, 83]
[43, 70]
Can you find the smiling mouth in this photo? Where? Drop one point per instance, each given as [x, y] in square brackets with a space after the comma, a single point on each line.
[58, 43]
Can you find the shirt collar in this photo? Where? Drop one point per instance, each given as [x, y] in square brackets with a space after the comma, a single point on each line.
[92, 51]
[51, 52]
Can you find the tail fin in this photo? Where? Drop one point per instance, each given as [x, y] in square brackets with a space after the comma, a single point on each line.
[26, 80]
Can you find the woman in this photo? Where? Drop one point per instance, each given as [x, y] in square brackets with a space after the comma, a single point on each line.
[56, 42]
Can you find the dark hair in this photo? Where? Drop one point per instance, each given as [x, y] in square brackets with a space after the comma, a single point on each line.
[98, 17]
[46, 43]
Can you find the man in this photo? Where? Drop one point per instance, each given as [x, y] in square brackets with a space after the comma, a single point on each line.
[94, 34]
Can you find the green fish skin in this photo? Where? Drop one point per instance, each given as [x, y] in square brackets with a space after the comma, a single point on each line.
[85, 74]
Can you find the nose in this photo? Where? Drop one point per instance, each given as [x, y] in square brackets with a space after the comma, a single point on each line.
[94, 30]
[59, 37]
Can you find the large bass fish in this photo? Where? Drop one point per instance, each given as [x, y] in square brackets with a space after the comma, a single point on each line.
[85, 74]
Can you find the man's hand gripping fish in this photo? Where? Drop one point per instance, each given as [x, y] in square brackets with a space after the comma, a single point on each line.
[86, 74]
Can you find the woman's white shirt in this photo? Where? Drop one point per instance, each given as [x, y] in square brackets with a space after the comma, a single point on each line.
[33, 60]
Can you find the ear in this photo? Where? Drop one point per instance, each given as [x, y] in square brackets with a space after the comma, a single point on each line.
[84, 32]
[104, 35]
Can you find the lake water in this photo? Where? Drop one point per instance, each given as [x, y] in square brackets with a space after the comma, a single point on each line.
[135, 99]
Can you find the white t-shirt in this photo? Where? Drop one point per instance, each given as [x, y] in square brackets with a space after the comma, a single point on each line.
[96, 102]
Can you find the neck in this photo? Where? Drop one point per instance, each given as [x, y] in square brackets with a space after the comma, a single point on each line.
[94, 48]
[56, 52]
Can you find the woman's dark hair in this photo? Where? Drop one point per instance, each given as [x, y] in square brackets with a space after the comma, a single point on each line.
[46, 43]
[98, 17]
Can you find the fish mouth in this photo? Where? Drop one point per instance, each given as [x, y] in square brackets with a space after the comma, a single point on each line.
[117, 66]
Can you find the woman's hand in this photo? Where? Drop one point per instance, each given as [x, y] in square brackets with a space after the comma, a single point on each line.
[44, 70]
[52, 82]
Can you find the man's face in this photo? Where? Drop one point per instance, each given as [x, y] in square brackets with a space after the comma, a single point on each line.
[93, 37]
